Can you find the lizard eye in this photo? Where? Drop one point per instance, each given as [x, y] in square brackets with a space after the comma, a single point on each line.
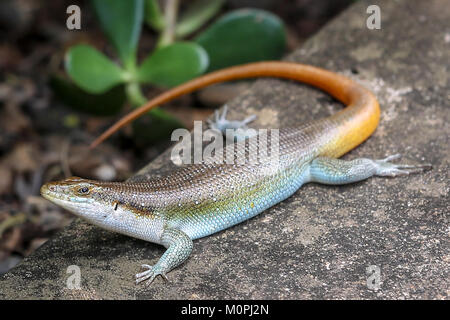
[83, 190]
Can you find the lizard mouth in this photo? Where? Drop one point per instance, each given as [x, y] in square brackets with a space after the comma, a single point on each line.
[49, 191]
[62, 196]
[54, 192]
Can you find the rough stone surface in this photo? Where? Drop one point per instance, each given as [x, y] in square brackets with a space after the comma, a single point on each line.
[318, 243]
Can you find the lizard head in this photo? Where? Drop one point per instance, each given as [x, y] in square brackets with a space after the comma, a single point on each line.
[77, 195]
[98, 203]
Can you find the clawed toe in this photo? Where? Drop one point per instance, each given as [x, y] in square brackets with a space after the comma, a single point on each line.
[150, 274]
[391, 157]
[385, 168]
[143, 277]
[221, 123]
[224, 112]
[249, 119]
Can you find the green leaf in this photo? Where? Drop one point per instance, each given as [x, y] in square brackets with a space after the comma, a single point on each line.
[104, 104]
[92, 70]
[174, 64]
[243, 36]
[196, 16]
[121, 20]
[153, 15]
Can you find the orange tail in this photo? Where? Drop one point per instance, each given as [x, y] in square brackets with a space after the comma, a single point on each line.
[361, 115]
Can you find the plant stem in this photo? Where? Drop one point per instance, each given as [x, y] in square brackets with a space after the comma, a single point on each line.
[196, 16]
[134, 94]
[130, 63]
[170, 16]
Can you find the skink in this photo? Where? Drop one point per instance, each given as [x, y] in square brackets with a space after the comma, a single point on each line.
[198, 200]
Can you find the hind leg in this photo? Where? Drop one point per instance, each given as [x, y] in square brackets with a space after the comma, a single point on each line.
[336, 171]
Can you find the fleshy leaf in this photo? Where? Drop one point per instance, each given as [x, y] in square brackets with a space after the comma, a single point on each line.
[174, 64]
[121, 20]
[92, 70]
[243, 36]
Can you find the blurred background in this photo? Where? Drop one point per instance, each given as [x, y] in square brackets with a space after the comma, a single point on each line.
[60, 87]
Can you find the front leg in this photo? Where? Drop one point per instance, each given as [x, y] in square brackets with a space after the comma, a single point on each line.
[336, 171]
[235, 130]
[179, 247]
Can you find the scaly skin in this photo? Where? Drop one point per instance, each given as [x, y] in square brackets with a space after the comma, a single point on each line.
[199, 200]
